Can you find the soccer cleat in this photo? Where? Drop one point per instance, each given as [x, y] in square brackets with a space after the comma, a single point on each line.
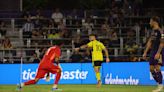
[19, 87]
[56, 89]
[47, 78]
[159, 89]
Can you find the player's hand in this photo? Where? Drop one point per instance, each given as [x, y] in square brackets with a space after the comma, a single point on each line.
[77, 49]
[107, 60]
[144, 55]
[157, 56]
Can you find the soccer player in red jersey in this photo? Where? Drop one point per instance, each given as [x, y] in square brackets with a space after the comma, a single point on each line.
[47, 66]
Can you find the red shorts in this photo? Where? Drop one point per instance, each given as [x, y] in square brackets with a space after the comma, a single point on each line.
[42, 71]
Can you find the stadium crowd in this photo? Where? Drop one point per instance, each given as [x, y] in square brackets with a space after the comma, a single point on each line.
[40, 29]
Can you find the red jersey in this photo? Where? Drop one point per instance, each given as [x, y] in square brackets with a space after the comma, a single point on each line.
[49, 57]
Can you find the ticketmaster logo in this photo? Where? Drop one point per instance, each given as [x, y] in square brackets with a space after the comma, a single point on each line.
[76, 74]
[127, 81]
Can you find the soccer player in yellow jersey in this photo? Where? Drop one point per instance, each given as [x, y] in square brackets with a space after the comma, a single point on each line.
[97, 55]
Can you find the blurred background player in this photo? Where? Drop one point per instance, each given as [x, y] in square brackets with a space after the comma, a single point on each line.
[97, 55]
[47, 66]
[156, 44]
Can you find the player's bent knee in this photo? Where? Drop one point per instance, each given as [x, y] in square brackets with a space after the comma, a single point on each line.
[96, 70]
[59, 71]
[158, 68]
[152, 69]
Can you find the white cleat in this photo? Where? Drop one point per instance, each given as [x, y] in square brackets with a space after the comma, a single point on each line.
[159, 89]
[47, 78]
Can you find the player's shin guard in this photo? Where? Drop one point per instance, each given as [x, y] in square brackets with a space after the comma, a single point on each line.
[30, 82]
[57, 77]
[154, 76]
[98, 76]
[159, 77]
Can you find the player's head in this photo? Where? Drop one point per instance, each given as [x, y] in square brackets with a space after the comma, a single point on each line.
[154, 21]
[92, 37]
[58, 43]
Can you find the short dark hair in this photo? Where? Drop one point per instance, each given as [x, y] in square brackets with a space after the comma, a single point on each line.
[93, 35]
[156, 19]
[58, 42]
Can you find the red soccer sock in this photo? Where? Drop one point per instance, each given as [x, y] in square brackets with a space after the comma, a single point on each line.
[30, 82]
[57, 77]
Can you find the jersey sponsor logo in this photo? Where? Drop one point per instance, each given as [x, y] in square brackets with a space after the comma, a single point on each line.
[109, 79]
[66, 75]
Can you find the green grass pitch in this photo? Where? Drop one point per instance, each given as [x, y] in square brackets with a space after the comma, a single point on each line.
[79, 88]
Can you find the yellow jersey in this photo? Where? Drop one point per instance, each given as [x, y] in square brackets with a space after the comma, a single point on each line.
[97, 48]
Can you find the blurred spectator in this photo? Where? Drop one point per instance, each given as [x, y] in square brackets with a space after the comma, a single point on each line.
[116, 16]
[44, 34]
[27, 28]
[38, 14]
[51, 23]
[54, 35]
[36, 34]
[51, 26]
[34, 59]
[26, 14]
[2, 29]
[6, 44]
[62, 28]
[87, 26]
[76, 57]
[42, 52]
[73, 14]
[114, 38]
[105, 29]
[131, 47]
[57, 16]
[38, 19]
[77, 41]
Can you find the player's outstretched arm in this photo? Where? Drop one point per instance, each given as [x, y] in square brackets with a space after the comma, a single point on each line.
[81, 47]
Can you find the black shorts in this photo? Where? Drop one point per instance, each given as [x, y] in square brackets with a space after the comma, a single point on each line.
[153, 61]
[97, 63]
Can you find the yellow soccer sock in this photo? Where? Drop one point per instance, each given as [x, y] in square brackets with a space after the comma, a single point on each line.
[98, 76]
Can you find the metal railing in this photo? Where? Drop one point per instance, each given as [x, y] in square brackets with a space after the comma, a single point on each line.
[13, 25]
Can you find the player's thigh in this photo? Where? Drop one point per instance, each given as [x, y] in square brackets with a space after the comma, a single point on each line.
[152, 68]
[41, 73]
[54, 69]
[157, 67]
[162, 58]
